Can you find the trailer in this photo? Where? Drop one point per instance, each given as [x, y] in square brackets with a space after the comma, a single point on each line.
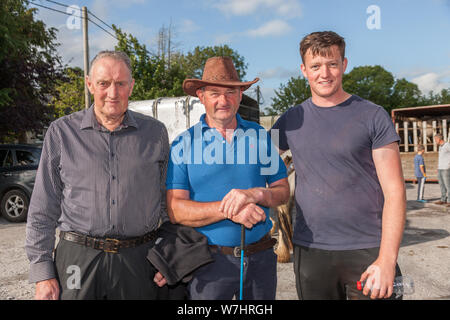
[181, 113]
[416, 126]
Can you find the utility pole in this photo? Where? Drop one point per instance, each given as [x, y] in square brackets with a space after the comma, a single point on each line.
[257, 95]
[84, 16]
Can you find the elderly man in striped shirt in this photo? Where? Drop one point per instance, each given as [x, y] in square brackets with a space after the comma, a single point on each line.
[101, 183]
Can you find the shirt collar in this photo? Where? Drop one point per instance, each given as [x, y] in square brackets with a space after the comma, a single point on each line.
[240, 122]
[90, 121]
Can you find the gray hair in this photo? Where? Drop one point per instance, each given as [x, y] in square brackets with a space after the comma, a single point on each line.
[439, 136]
[117, 55]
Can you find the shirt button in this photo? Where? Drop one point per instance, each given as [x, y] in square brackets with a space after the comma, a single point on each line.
[114, 177]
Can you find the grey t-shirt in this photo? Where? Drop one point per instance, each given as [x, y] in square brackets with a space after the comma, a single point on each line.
[444, 157]
[338, 196]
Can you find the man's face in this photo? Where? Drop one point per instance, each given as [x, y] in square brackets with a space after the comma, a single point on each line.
[111, 84]
[324, 74]
[221, 103]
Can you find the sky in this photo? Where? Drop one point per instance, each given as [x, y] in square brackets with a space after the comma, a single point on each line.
[409, 38]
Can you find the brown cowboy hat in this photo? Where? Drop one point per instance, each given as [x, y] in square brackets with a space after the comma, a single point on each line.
[218, 71]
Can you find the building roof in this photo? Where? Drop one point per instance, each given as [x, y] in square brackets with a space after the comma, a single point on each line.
[421, 112]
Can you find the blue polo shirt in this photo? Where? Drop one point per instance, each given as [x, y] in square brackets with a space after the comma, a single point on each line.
[204, 163]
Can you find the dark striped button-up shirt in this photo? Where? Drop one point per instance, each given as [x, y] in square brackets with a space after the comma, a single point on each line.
[96, 182]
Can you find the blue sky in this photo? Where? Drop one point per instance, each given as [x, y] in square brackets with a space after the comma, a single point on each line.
[410, 38]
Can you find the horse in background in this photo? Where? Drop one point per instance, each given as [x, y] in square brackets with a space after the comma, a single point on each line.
[283, 215]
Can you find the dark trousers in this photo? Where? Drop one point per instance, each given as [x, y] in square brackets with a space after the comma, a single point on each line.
[91, 274]
[332, 275]
[220, 279]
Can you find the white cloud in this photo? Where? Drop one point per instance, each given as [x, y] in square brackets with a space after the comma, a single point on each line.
[188, 26]
[271, 28]
[433, 81]
[71, 45]
[284, 8]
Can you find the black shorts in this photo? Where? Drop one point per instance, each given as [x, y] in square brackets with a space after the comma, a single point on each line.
[332, 275]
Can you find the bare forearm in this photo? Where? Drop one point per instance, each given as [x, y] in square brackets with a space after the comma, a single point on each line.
[393, 223]
[272, 197]
[193, 213]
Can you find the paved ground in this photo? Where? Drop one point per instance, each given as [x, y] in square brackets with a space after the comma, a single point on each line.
[424, 254]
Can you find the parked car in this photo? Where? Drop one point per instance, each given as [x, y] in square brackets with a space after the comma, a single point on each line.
[18, 166]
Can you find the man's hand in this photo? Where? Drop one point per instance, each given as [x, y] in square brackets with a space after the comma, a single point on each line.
[379, 280]
[250, 215]
[236, 199]
[159, 279]
[47, 290]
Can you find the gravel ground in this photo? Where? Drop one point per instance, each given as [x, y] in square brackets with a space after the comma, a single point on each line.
[424, 254]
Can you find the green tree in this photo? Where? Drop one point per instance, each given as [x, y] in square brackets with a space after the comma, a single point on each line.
[405, 94]
[153, 78]
[70, 93]
[445, 96]
[29, 65]
[194, 61]
[373, 83]
[294, 92]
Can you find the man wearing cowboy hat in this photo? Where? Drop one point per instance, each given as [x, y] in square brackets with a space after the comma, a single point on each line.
[216, 184]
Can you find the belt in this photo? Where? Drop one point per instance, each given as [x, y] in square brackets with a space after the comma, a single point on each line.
[264, 243]
[107, 244]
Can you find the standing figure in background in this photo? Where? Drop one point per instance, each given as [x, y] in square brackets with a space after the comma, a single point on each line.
[420, 172]
[443, 169]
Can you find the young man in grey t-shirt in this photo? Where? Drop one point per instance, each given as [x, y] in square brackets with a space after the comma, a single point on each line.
[350, 192]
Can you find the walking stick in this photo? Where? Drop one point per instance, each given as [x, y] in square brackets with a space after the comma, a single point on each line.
[241, 287]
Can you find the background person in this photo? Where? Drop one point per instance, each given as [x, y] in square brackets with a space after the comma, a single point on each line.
[443, 169]
[420, 172]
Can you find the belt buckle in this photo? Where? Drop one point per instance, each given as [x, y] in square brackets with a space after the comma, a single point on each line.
[115, 245]
[237, 252]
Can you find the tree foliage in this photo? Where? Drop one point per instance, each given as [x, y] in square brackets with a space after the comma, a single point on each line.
[373, 83]
[294, 92]
[194, 61]
[29, 65]
[70, 93]
[153, 78]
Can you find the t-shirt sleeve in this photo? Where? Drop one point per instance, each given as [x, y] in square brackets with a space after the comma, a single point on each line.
[421, 162]
[274, 169]
[382, 129]
[278, 133]
[177, 175]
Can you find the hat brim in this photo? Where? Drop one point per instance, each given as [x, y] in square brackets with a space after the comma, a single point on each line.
[190, 86]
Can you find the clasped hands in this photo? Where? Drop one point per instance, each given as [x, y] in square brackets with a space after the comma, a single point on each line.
[240, 206]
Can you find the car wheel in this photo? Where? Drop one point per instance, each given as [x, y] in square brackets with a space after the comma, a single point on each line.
[14, 206]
